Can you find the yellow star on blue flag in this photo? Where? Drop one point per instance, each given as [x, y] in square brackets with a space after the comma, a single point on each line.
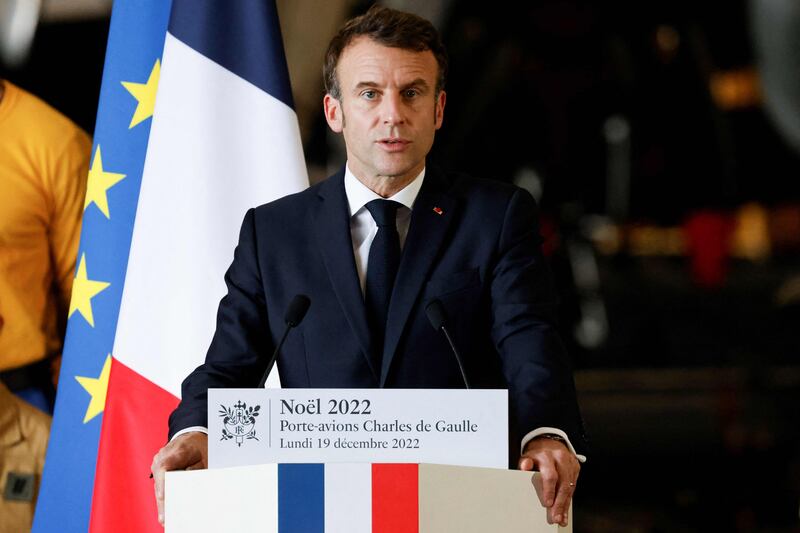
[83, 290]
[98, 184]
[145, 94]
[97, 389]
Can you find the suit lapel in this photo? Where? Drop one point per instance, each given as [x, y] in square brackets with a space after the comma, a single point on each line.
[433, 212]
[333, 234]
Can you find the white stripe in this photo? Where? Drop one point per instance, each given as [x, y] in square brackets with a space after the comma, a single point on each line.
[218, 145]
[348, 497]
[225, 499]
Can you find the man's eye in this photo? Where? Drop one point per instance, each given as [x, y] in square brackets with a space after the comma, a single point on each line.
[369, 95]
[411, 93]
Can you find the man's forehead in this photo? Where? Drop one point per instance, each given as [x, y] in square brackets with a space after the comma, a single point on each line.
[364, 57]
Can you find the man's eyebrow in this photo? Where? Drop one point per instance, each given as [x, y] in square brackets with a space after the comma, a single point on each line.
[363, 84]
[419, 82]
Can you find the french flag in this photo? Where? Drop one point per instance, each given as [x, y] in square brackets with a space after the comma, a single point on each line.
[357, 498]
[195, 125]
[297, 498]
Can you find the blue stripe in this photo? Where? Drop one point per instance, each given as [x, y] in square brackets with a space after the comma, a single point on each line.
[301, 498]
[136, 40]
[243, 36]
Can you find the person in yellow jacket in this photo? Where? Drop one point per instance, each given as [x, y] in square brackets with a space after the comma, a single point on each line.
[44, 160]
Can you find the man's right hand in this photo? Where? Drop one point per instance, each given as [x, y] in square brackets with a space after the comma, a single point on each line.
[185, 452]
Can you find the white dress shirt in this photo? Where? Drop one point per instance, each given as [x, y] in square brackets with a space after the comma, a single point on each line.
[363, 227]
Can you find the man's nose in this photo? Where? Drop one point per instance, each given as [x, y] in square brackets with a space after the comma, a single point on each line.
[393, 112]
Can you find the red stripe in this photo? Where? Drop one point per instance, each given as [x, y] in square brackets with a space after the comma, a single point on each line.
[395, 498]
[134, 428]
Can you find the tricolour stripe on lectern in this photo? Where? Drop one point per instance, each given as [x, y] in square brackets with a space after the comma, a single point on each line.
[301, 498]
[395, 498]
[351, 497]
[348, 497]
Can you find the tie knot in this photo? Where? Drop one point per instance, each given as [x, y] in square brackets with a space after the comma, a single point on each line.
[384, 212]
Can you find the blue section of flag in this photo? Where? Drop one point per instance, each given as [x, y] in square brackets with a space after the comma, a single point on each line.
[243, 36]
[136, 40]
[301, 498]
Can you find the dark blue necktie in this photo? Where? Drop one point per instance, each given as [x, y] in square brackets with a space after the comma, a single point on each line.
[382, 265]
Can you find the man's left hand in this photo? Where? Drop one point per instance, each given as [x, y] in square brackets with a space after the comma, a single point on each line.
[559, 469]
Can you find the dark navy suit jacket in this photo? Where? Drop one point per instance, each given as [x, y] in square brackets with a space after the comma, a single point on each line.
[478, 252]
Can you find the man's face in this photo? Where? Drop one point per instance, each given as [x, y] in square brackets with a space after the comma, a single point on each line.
[388, 110]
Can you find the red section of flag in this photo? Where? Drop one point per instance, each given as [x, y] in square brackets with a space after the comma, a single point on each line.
[395, 498]
[134, 428]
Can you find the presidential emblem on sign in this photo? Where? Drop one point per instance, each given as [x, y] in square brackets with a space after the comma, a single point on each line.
[239, 422]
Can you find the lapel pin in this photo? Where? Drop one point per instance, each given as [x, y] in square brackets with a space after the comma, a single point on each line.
[438, 210]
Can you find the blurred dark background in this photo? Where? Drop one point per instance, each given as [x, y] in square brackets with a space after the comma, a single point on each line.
[662, 142]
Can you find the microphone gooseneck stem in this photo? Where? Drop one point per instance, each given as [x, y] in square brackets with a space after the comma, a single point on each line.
[274, 357]
[458, 357]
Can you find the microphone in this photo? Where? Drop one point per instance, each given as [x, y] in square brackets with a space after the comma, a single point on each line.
[294, 315]
[438, 319]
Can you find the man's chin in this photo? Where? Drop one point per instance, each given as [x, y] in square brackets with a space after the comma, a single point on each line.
[397, 170]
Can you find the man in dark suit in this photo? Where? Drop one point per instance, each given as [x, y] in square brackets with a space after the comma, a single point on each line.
[372, 246]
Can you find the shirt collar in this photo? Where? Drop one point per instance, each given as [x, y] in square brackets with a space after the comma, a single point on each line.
[358, 194]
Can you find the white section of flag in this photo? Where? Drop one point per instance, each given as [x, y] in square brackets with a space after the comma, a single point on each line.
[348, 497]
[218, 146]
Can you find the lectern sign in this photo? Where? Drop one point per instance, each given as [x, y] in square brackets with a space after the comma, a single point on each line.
[445, 426]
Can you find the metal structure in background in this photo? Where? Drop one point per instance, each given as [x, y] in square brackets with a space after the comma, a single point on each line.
[776, 32]
[19, 19]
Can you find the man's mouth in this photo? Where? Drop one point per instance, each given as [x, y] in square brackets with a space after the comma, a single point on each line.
[393, 143]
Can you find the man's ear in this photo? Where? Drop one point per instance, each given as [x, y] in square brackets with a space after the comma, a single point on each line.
[438, 116]
[333, 113]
